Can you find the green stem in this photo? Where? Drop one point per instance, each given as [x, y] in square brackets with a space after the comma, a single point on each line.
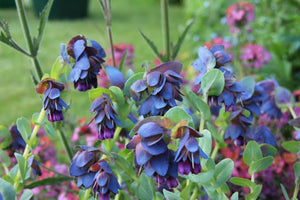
[65, 144]
[292, 112]
[28, 38]
[86, 194]
[297, 186]
[202, 120]
[195, 193]
[165, 27]
[217, 147]
[253, 178]
[27, 148]
[117, 133]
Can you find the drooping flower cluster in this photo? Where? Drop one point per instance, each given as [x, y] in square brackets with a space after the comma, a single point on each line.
[88, 56]
[164, 84]
[52, 102]
[240, 14]
[119, 50]
[151, 151]
[92, 173]
[254, 56]
[105, 117]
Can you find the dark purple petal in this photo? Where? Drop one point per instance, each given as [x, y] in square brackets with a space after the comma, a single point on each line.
[113, 184]
[96, 103]
[157, 148]
[172, 65]
[192, 144]
[138, 86]
[153, 78]
[160, 163]
[86, 180]
[102, 179]
[115, 76]
[150, 129]
[84, 158]
[105, 167]
[100, 50]
[233, 130]
[142, 156]
[76, 171]
[166, 92]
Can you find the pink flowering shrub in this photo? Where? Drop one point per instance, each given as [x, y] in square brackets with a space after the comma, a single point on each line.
[240, 14]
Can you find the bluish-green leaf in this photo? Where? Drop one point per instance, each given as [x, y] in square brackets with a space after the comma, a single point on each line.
[205, 176]
[242, 182]
[117, 94]
[49, 130]
[235, 196]
[205, 142]
[130, 81]
[177, 114]
[268, 150]
[291, 146]
[153, 47]
[223, 172]
[248, 84]
[260, 164]
[285, 194]
[252, 153]
[170, 195]
[198, 104]
[121, 65]
[22, 165]
[97, 92]
[145, 189]
[56, 69]
[49, 181]
[4, 158]
[27, 194]
[24, 128]
[5, 137]
[7, 190]
[213, 82]
[254, 194]
[297, 170]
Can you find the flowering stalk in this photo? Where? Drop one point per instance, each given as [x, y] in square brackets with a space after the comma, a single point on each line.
[64, 142]
[106, 8]
[202, 120]
[27, 148]
[28, 38]
[165, 27]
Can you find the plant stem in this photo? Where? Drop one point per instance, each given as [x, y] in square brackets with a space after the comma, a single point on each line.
[117, 133]
[292, 112]
[65, 144]
[28, 38]
[195, 193]
[202, 120]
[297, 187]
[165, 27]
[27, 148]
[87, 194]
[253, 178]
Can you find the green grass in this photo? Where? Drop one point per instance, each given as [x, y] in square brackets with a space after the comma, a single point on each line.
[17, 93]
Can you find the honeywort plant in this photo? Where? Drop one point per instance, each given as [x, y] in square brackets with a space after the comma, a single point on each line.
[153, 137]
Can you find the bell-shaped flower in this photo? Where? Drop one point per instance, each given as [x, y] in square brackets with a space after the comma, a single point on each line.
[52, 102]
[261, 135]
[188, 153]
[17, 144]
[105, 117]
[34, 165]
[104, 181]
[88, 56]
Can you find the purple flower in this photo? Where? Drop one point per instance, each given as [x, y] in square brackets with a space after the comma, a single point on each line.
[17, 144]
[240, 14]
[34, 165]
[105, 117]
[261, 135]
[164, 83]
[53, 104]
[81, 164]
[104, 181]
[88, 56]
[208, 59]
[254, 56]
[188, 153]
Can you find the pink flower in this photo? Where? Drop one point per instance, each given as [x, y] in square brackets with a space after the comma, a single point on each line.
[240, 14]
[119, 50]
[254, 56]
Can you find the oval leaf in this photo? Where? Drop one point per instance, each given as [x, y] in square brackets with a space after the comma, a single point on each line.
[252, 153]
[177, 114]
[130, 81]
[213, 82]
[291, 146]
[260, 164]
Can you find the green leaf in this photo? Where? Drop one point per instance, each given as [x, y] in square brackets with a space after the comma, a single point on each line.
[27, 194]
[248, 84]
[268, 150]
[242, 182]
[4, 158]
[223, 172]
[153, 47]
[43, 21]
[181, 38]
[117, 94]
[235, 196]
[177, 114]
[22, 165]
[49, 130]
[97, 92]
[7, 190]
[122, 60]
[170, 195]
[253, 195]
[5, 137]
[285, 194]
[145, 189]
[56, 69]
[297, 170]
[291, 146]
[49, 181]
[205, 142]
[213, 82]
[281, 92]
[24, 128]
[260, 164]
[252, 153]
[130, 81]
[205, 176]
[198, 104]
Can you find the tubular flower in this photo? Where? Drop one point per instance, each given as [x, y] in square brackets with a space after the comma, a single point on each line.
[188, 153]
[151, 151]
[254, 56]
[88, 56]
[17, 143]
[240, 14]
[104, 181]
[81, 165]
[34, 165]
[164, 83]
[53, 104]
[105, 117]
[208, 59]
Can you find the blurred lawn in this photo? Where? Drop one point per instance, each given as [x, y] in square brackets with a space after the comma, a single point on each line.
[17, 94]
